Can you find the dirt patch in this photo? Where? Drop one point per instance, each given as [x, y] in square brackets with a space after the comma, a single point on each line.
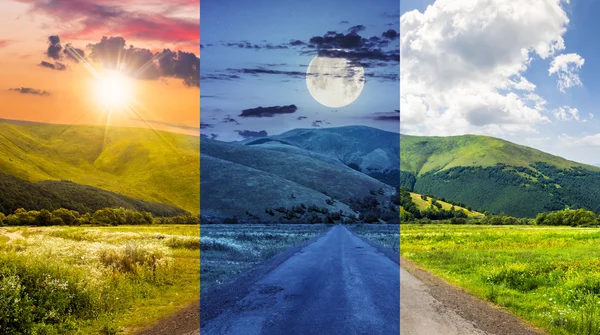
[183, 322]
[485, 316]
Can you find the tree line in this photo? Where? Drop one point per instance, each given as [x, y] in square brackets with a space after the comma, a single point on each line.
[101, 217]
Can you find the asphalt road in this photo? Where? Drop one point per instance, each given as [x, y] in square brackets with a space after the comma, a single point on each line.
[337, 285]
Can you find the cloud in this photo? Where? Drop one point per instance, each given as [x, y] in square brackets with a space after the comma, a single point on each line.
[56, 66]
[54, 47]
[259, 71]
[568, 113]
[251, 134]
[29, 90]
[101, 17]
[386, 116]
[319, 123]
[219, 77]
[566, 66]
[5, 43]
[390, 34]
[584, 141]
[463, 63]
[143, 63]
[301, 117]
[212, 136]
[356, 29]
[229, 119]
[268, 111]
[205, 125]
[344, 22]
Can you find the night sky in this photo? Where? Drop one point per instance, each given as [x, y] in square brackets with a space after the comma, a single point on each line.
[255, 54]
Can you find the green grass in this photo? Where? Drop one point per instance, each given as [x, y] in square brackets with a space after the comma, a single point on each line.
[79, 280]
[229, 250]
[419, 154]
[387, 235]
[548, 276]
[423, 204]
[141, 163]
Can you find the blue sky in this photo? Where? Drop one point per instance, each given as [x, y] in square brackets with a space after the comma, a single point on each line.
[460, 65]
[230, 82]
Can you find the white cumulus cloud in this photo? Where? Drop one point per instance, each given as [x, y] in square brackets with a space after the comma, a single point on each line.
[566, 67]
[565, 113]
[462, 65]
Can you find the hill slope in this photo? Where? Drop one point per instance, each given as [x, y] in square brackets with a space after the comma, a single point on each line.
[236, 178]
[145, 164]
[496, 175]
[373, 151]
[51, 194]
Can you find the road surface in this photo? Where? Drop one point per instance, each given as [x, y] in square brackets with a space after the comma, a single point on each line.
[340, 284]
[337, 285]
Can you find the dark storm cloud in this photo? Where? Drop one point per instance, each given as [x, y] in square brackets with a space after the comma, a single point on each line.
[297, 43]
[144, 64]
[29, 90]
[356, 29]
[268, 111]
[54, 47]
[56, 66]
[251, 134]
[204, 125]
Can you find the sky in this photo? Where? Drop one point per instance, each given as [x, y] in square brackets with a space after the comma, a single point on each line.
[55, 62]
[525, 71]
[255, 56]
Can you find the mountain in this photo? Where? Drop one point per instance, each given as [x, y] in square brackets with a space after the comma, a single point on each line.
[249, 180]
[153, 166]
[372, 151]
[491, 174]
[482, 172]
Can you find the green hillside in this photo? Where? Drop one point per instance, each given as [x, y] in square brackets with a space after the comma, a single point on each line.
[423, 204]
[496, 175]
[140, 163]
[420, 154]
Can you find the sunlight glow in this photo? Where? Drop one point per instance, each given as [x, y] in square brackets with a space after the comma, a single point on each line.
[113, 90]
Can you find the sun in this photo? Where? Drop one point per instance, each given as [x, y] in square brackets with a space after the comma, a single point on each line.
[113, 90]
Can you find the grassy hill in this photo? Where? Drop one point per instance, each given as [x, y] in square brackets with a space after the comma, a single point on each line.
[53, 194]
[496, 175]
[237, 178]
[424, 204]
[422, 154]
[150, 165]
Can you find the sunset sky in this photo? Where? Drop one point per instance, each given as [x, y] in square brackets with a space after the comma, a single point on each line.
[41, 82]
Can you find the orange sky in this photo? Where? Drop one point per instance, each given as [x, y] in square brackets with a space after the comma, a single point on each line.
[24, 33]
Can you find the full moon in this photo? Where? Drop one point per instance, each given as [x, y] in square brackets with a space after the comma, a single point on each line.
[334, 82]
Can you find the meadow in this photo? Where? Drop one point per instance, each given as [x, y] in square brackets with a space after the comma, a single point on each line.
[229, 250]
[549, 276]
[95, 280]
[387, 235]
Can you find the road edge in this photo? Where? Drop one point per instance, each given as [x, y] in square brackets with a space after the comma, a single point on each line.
[484, 315]
[213, 303]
